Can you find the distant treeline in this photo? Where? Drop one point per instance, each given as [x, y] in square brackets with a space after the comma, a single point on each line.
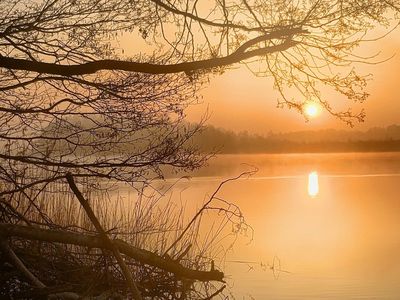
[372, 140]
[213, 139]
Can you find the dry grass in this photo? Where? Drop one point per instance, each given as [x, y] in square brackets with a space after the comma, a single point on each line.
[141, 216]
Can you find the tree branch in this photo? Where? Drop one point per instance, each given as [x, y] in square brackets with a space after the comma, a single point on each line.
[86, 240]
[5, 247]
[149, 68]
[85, 204]
[206, 21]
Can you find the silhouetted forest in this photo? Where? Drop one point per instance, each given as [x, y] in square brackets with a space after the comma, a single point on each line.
[329, 140]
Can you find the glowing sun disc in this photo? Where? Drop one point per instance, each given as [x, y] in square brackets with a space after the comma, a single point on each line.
[311, 110]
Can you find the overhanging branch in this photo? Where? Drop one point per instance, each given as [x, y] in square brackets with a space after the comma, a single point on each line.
[92, 67]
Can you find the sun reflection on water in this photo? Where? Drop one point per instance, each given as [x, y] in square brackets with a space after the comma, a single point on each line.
[313, 187]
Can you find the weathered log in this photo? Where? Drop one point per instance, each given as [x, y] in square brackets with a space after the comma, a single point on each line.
[94, 241]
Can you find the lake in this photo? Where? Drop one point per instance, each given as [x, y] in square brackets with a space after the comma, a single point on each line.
[341, 243]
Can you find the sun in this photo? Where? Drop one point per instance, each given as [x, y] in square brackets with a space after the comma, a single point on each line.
[311, 109]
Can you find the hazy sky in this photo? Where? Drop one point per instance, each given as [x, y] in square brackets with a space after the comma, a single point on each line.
[240, 101]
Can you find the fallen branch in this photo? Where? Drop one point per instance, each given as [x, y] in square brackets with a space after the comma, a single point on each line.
[92, 241]
[86, 206]
[5, 247]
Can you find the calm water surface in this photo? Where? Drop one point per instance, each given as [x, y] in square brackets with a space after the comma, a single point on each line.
[342, 243]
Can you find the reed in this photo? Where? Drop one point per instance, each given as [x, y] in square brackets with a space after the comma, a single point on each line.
[142, 216]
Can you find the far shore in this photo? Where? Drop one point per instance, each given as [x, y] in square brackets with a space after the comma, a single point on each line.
[288, 148]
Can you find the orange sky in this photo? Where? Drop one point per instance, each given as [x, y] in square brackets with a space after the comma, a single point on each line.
[238, 100]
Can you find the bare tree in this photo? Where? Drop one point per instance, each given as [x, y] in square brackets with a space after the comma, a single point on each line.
[298, 43]
[70, 98]
[74, 105]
